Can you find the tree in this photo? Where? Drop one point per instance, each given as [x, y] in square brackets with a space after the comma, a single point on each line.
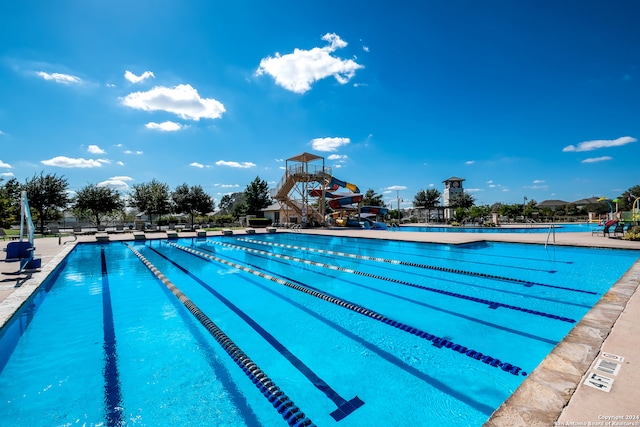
[628, 198]
[257, 196]
[151, 198]
[427, 199]
[370, 198]
[477, 212]
[98, 201]
[191, 200]
[462, 200]
[9, 202]
[47, 195]
[233, 204]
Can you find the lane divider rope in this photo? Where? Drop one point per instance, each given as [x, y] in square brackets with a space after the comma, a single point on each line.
[436, 341]
[414, 264]
[278, 399]
[489, 303]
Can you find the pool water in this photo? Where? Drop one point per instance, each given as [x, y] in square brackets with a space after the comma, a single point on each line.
[352, 331]
[532, 228]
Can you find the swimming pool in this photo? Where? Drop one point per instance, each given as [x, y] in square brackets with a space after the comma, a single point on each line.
[351, 331]
[532, 228]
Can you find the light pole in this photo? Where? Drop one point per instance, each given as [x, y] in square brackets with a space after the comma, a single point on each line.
[524, 209]
[398, 197]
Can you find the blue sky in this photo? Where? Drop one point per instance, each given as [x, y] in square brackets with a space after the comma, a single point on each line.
[520, 98]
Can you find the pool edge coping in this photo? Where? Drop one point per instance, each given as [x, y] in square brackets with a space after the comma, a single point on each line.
[542, 397]
[12, 304]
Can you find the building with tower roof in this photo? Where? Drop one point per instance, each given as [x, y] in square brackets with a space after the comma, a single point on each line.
[452, 189]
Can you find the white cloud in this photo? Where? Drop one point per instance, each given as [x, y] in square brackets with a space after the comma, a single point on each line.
[298, 70]
[196, 165]
[538, 181]
[59, 78]
[597, 159]
[469, 162]
[115, 184]
[226, 185]
[132, 152]
[338, 157]
[120, 163]
[328, 144]
[1, 133]
[599, 143]
[94, 149]
[396, 188]
[7, 174]
[107, 161]
[164, 126]
[5, 165]
[182, 100]
[68, 162]
[121, 178]
[242, 165]
[137, 79]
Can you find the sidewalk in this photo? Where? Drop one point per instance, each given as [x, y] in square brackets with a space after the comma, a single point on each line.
[553, 394]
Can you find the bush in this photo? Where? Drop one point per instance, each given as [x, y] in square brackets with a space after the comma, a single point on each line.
[259, 222]
[633, 234]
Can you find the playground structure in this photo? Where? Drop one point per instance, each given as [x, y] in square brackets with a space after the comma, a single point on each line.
[308, 187]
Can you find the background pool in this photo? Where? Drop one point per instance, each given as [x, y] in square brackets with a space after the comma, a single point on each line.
[534, 228]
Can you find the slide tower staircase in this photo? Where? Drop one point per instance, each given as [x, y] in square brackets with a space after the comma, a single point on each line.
[303, 174]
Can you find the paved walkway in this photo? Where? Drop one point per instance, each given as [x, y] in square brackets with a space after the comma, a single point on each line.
[554, 394]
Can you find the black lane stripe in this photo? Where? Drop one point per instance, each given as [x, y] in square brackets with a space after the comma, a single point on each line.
[344, 407]
[490, 304]
[112, 393]
[438, 342]
[431, 380]
[420, 303]
[428, 247]
[278, 399]
[423, 266]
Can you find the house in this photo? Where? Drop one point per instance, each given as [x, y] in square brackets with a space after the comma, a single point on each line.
[552, 204]
[580, 204]
[280, 213]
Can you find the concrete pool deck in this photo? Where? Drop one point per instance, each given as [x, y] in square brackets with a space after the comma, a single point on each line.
[553, 394]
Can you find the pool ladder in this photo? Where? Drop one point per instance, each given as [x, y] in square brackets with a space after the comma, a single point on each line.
[552, 227]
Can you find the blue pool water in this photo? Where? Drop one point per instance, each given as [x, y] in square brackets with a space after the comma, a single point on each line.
[351, 331]
[534, 228]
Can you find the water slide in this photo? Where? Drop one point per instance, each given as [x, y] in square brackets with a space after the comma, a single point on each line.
[377, 210]
[337, 200]
[347, 200]
[335, 181]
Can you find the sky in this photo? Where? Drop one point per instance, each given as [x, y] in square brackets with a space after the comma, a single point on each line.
[537, 99]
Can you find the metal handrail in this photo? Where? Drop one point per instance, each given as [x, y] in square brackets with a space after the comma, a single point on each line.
[551, 227]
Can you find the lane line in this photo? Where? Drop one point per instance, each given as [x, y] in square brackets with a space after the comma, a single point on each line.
[344, 406]
[112, 392]
[414, 264]
[490, 304]
[278, 399]
[436, 341]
